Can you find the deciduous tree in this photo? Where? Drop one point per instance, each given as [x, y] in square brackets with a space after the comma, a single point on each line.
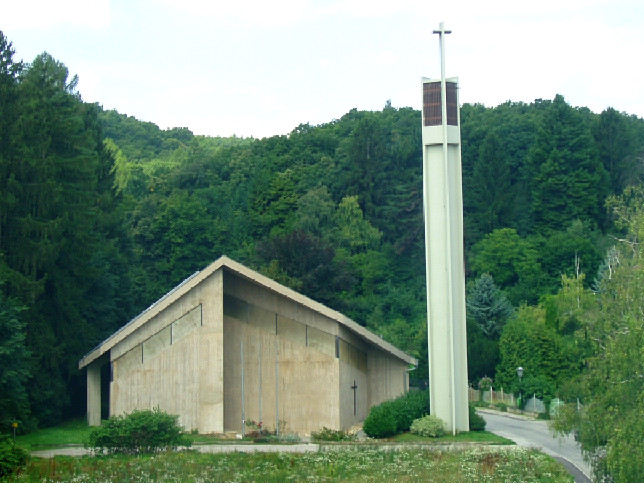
[611, 425]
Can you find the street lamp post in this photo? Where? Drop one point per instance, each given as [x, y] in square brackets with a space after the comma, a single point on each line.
[520, 374]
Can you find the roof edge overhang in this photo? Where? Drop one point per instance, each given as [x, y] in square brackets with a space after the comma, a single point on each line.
[237, 268]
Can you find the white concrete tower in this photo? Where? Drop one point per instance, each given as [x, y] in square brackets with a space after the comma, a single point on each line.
[443, 207]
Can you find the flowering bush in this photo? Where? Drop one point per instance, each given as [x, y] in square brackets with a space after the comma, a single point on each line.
[430, 425]
[253, 425]
[326, 434]
[485, 383]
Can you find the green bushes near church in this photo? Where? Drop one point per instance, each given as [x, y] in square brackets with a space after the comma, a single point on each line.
[399, 415]
[142, 431]
[477, 423]
[380, 422]
[429, 426]
[395, 416]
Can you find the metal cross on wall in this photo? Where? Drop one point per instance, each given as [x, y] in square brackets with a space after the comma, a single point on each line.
[354, 387]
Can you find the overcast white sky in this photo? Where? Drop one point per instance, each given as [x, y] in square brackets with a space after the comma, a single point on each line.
[261, 67]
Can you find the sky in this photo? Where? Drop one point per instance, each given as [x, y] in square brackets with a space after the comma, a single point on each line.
[258, 68]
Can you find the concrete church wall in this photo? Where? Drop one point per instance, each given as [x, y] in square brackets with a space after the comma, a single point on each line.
[308, 371]
[353, 372]
[319, 362]
[378, 375]
[175, 361]
[387, 378]
[183, 355]
[306, 379]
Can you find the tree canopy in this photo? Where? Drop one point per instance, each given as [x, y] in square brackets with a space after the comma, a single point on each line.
[611, 425]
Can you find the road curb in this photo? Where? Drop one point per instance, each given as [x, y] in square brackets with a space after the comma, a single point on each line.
[521, 417]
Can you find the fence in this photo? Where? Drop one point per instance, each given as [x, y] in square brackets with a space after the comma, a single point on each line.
[532, 405]
[492, 397]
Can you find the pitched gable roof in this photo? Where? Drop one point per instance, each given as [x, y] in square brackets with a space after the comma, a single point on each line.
[236, 268]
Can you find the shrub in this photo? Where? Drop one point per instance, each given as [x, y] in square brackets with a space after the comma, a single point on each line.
[480, 404]
[485, 383]
[380, 422]
[409, 407]
[502, 407]
[477, 423]
[253, 426]
[142, 431]
[326, 434]
[429, 426]
[12, 457]
[539, 386]
[402, 411]
[288, 438]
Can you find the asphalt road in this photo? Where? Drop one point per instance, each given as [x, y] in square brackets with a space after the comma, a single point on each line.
[534, 433]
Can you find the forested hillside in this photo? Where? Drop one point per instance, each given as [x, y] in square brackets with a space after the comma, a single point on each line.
[101, 214]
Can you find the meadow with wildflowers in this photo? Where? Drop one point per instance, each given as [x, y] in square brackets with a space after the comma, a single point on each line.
[357, 464]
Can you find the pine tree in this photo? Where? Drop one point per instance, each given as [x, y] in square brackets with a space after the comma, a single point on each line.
[618, 149]
[568, 179]
[9, 71]
[14, 365]
[490, 190]
[488, 307]
[61, 240]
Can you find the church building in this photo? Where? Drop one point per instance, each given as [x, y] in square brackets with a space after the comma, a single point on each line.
[229, 345]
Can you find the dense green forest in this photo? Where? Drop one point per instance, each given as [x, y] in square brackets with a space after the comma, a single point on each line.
[101, 214]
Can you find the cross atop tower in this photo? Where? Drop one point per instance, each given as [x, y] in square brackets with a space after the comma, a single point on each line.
[442, 30]
[441, 39]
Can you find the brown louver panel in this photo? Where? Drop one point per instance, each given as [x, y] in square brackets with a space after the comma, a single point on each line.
[432, 104]
[452, 106]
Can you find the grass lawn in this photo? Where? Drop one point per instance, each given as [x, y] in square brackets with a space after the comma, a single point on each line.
[491, 463]
[482, 437]
[72, 432]
[76, 432]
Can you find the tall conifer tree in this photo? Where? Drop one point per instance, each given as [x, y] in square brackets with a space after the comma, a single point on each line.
[61, 241]
[568, 179]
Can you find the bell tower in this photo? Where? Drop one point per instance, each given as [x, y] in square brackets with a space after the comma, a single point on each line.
[445, 268]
